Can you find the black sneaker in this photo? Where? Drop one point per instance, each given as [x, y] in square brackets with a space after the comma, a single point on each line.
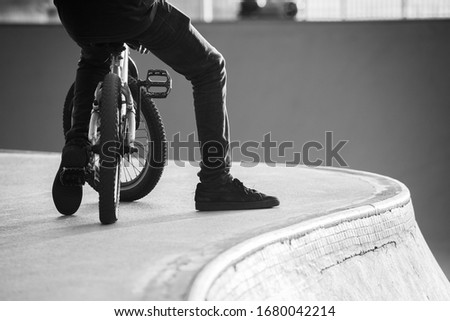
[68, 184]
[232, 195]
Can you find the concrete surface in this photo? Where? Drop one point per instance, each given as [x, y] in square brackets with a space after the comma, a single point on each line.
[374, 252]
[160, 244]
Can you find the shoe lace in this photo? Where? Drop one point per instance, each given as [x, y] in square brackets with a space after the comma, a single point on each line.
[242, 187]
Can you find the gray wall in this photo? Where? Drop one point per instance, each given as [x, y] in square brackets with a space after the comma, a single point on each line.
[383, 86]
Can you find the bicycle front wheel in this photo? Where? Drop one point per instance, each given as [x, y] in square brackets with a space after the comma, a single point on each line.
[109, 150]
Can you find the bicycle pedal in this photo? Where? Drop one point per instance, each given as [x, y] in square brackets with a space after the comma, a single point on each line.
[164, 82]
[73, 176]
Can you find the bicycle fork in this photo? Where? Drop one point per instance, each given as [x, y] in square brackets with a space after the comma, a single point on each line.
[127, 119]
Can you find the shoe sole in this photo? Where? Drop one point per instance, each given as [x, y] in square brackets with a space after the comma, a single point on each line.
[233, 206]
[67, 199]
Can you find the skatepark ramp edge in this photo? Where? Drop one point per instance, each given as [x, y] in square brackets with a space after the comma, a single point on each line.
[369, 252]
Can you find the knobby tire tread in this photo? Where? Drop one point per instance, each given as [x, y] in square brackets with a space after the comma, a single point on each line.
[109, 148]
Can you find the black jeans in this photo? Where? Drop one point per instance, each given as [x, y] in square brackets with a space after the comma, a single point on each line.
[172, 38]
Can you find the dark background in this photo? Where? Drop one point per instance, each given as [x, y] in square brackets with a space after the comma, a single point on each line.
[383, 86]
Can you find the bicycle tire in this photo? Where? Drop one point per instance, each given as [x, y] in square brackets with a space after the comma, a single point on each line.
[109, 153]
[156, 155]
[157, 152]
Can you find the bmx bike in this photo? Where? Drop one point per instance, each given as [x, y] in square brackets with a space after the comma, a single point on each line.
[128, 148]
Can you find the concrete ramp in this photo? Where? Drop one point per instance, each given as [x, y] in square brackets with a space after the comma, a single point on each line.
[338, 235]
[371, 252]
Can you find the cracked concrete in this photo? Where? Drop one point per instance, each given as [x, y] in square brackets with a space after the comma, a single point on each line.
[376, 257]
[363, 252]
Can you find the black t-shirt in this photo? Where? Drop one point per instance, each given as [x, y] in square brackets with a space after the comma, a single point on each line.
[104, 20]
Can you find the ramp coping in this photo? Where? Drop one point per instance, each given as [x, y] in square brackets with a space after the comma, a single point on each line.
[201, 284]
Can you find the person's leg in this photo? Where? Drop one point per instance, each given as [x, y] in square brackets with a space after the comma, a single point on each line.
[175, 41]
[92, 68]
[67, 186]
